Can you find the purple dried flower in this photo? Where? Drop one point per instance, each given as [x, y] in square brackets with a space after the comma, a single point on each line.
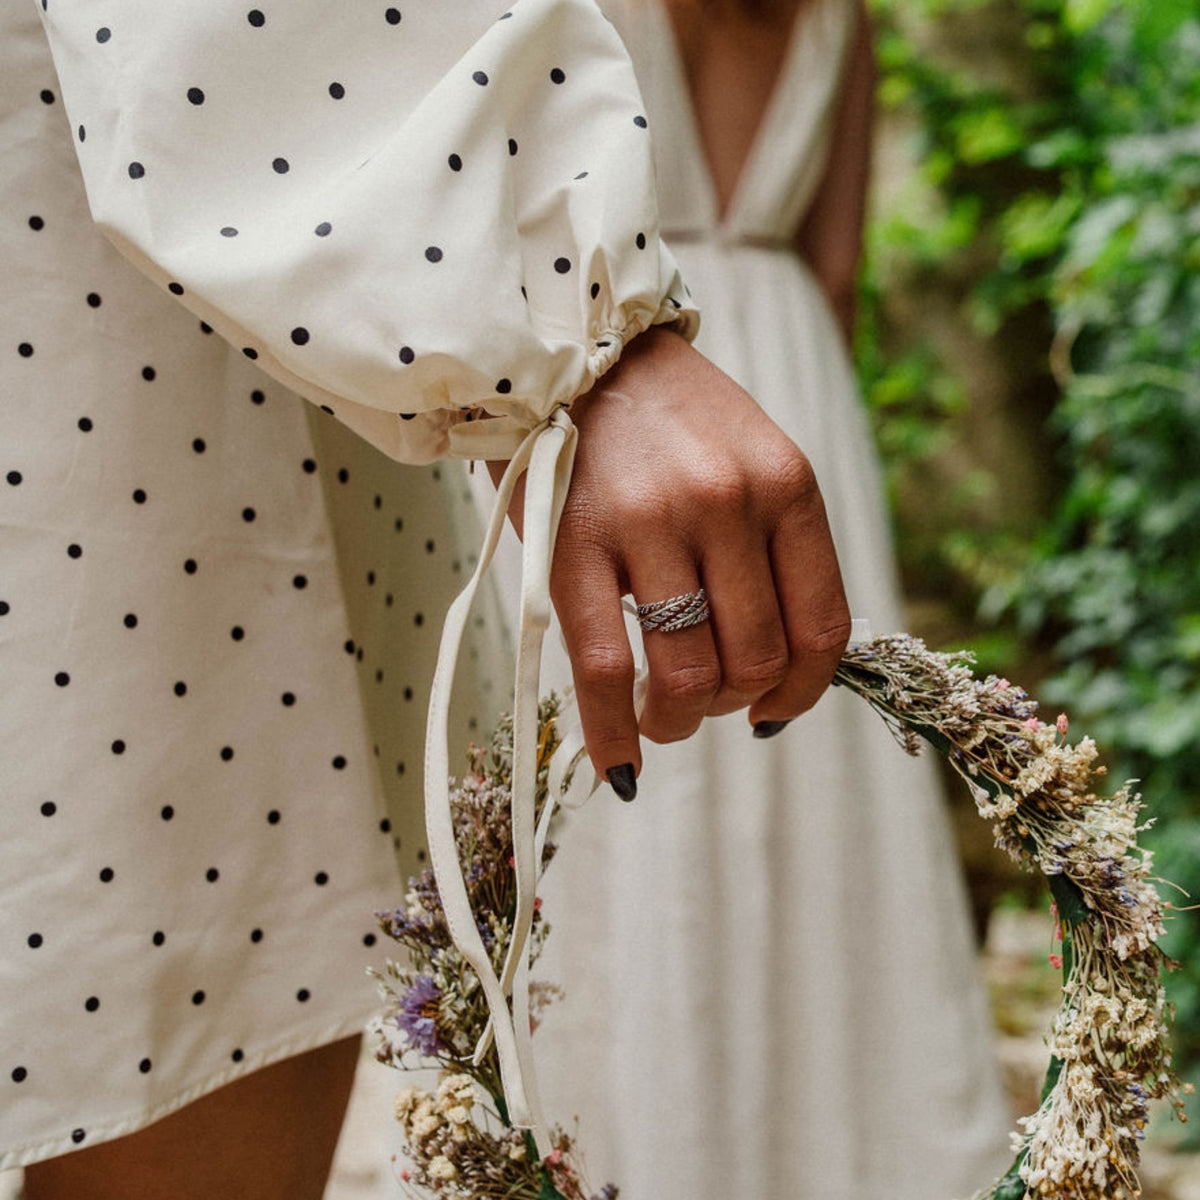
[417, 1017]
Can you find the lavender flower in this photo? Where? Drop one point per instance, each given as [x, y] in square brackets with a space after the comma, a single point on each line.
[417, 1017]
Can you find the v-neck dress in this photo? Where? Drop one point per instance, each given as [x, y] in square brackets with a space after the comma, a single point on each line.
[217, 623]
[771, 988]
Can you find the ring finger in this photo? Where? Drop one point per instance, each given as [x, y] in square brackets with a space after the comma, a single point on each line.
[685, 673]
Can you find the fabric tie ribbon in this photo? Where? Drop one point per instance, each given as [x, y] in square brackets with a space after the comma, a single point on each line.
[547, 454]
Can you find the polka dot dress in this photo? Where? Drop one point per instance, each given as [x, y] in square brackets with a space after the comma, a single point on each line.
[217, 623]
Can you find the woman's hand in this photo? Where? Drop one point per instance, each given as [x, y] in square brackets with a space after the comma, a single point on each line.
[681, 481]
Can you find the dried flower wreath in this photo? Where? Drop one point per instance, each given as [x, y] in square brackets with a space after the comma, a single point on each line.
[1109, 1054]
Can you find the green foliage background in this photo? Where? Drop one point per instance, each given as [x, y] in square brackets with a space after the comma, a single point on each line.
[1057, 200]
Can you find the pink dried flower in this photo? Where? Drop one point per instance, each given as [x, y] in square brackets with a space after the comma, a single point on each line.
[1062, 723]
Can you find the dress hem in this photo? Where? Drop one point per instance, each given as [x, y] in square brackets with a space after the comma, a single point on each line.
[28, 1155]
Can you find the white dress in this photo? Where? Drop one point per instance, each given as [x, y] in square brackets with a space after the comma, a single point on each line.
[410, 216]
[770, 983]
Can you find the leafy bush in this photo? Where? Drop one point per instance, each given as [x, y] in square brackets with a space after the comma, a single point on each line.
[1067, 214]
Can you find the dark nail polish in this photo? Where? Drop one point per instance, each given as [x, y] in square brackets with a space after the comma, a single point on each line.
[766, 729]
[622, 780]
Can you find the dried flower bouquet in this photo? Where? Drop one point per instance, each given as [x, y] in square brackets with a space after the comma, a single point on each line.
[1108, 1041]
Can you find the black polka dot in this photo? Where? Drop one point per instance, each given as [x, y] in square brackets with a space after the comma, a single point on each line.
[257, 396]
[433, 254]
[480, 78]
[226, 753]
[348, 646]
[176, 289]
[36, 223]
[238, 1055]
[581, 175]
[144, 1066]
[198, 997]
[199, 445]
[93, 299]
[641, 241]
[92, 1003]
[324, 229]
[640, 122]
[273, 817]
[595, 290]
[385, 826]
[558, 75]
[248, 515]
[49, 808]
[303, 995]
[139, 496]
[159, 937]
[408, 693]
[237, 633]
[406, 354]
[400, 768]
[408, 416]
[504, 386]
[106, 875]
[250, 352]
[368, 939]
[62, 679]
[149, 374]
[256, 935]
[212, 874]
[337, 91]
[205, 327]
[339, 762]
[34, 941]
[47, 96]
[14, 478]
[19, 1074]
[370, 579]
[103, 34]
[280, 166]
[82, 134]
[77, 1135]
[326, 409]
[118, 747]
[300, 335]
[85, 424]
[25, 350]
[136, 170]
[4, 608]
[228, 231]
[392, 16]
[195, 95]
[180, 688]
[562, 265]
[430, 545]
[288, 699]
[190, 566]
[455, 162]
[130, 620]
[256, 18]
[321, 878]
[343, 475]
[309, 466]
[512, 147]
[167, 812]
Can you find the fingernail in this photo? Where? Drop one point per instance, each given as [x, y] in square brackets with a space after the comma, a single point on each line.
[622, 780]
[766, 729]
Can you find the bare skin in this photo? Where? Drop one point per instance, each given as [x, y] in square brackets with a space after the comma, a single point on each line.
[269, 1136]
[680, 479]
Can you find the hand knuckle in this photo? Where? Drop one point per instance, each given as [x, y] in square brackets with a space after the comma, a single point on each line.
[600, 666]
[756, 676]
[690, 681]
[827, 639]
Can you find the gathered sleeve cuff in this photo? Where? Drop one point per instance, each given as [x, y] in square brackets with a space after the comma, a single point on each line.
[413, 216]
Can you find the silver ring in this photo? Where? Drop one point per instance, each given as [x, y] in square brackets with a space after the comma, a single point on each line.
[679, 612]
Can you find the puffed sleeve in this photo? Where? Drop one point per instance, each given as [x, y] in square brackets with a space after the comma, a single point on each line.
[411, 215]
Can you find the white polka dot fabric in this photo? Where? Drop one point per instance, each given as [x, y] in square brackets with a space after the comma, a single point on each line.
[217, 624]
